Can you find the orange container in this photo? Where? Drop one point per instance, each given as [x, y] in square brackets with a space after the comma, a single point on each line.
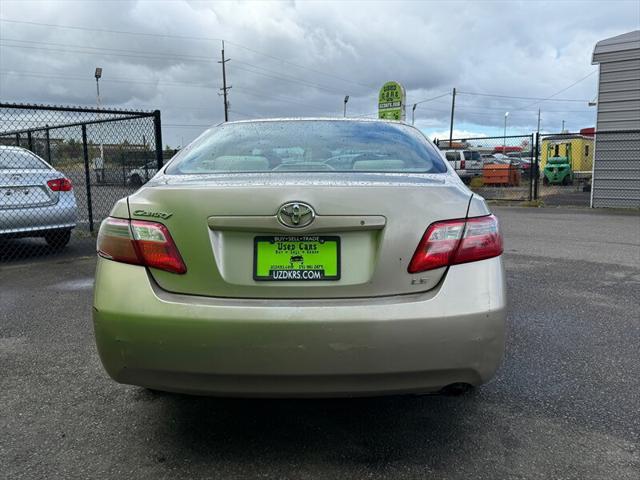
[497, 174]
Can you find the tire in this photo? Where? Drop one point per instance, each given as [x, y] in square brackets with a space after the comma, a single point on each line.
[457, 389]
[58, 239]
[135, 180]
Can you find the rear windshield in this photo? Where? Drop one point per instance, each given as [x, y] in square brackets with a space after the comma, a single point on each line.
[472, 155]
[14, 159]
[309, 146]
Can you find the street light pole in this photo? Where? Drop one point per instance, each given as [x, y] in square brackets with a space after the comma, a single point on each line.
[504, 138]
[99, 164]
[346, 99]
[98, 74]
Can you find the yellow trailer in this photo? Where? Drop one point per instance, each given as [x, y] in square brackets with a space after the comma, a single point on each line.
[581, 151]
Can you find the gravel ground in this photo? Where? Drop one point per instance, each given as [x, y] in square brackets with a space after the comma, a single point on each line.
[564, 405]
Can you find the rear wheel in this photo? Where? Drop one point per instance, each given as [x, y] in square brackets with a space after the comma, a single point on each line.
[58, 239]
[136, 181]
[457, 389]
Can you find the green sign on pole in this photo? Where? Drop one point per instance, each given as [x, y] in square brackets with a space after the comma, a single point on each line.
[391, 102]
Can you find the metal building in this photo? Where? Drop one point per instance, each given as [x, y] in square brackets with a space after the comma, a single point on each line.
[616, 166]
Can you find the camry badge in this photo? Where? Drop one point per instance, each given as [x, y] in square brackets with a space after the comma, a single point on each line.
[296, 214]
[146, 213]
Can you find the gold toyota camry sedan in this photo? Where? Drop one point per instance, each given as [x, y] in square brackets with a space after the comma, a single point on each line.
[302, 258]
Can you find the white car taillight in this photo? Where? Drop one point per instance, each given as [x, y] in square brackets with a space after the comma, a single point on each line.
[140, 243]
[452, 242]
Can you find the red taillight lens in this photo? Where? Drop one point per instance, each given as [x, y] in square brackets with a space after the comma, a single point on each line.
[60, 185]
[463, 165]
[115, 241]
[156, 247]
[140, 243]
[481, 239]
[452, 242]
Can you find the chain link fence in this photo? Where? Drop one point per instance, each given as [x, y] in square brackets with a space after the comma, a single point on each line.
[497, 168]
[63, 168]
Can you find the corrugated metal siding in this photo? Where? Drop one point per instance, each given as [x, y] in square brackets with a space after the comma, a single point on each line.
[623, 106]
[616, 56]
[616, 174]
[616, 169]
[631, 64]
[620, 85]
[628, 95]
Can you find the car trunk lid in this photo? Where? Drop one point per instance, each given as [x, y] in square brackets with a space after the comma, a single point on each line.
[26, 188]
[379, 220]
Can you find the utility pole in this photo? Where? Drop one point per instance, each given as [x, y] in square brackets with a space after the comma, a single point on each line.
[346, 99]
[562, 130]
[413, 113]
[224, 85]
[453, 109]
[538, 122]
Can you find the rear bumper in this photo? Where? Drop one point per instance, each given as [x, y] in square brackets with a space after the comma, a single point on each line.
[20, 222]
[400, 344]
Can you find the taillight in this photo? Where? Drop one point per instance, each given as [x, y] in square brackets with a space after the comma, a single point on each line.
[60, 185]
[451, 242]
[462, 164]
[140, 243]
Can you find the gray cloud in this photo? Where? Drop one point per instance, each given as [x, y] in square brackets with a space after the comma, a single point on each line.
[511, 48]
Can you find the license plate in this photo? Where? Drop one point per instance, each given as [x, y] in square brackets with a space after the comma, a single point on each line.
[296, 258]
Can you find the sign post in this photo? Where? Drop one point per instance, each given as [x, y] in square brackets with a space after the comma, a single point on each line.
[392, 102]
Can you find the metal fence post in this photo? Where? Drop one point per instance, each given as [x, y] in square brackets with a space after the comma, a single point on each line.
[87, 177]
[48, 146]
[536, 169]
[157, 126]
[30, 140]
[17, 139]
[532, 143]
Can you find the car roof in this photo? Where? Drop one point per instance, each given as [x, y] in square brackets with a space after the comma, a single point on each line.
[331, 119]
[11, 147]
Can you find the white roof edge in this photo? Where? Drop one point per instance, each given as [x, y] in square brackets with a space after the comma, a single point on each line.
[336, 119]
[627, 41]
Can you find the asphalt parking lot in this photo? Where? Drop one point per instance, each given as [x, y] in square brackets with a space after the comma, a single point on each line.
[564, 405]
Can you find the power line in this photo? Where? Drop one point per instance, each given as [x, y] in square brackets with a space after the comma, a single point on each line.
[66, 50]
[265, 95]
[432, 99]
[282, 75]
[149, 55]
[523, 98]
[108, 80]
[278, 77]
[116, 50]
[246, 115]
[561, 91]
[274, 74]
[244, 90]
[186, 37]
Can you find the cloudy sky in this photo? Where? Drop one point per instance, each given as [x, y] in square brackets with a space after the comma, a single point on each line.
[298, 58]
